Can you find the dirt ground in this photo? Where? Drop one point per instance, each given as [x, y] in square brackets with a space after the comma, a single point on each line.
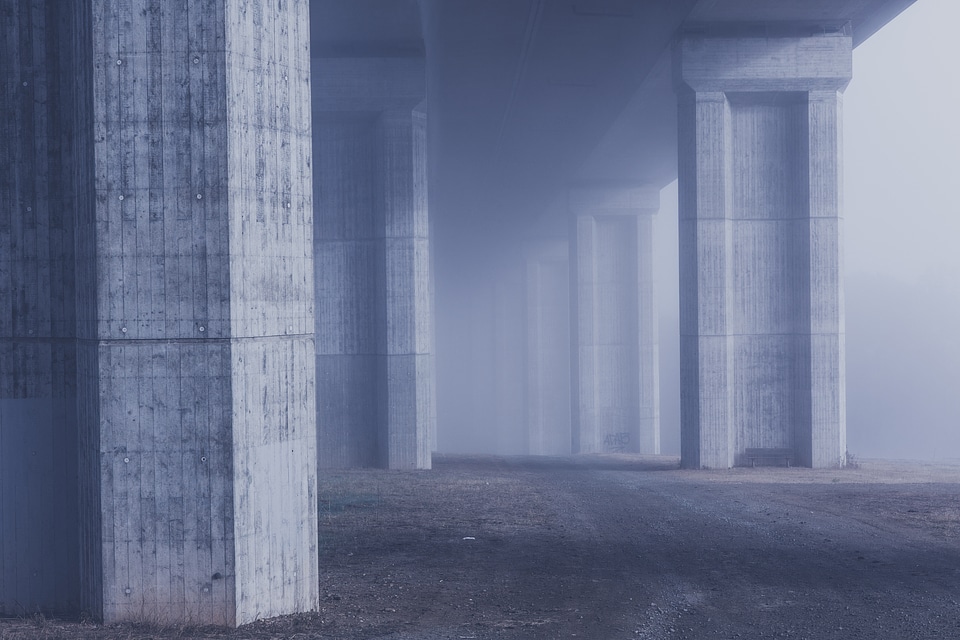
[618, 547]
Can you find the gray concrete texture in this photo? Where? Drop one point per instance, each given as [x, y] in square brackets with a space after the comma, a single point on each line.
[185, 178]
[761, 297]
[373, 286]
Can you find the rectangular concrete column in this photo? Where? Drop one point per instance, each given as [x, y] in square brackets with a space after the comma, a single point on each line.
[197, 385]
[761, 302]
[348, 267]
[614, 368]
[547, 297]
[45, 185]
[374, 321]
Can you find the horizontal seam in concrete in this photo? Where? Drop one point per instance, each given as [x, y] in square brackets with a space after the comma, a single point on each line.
[287, 336]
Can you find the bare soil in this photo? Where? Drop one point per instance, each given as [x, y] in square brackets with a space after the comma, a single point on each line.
[619, 547]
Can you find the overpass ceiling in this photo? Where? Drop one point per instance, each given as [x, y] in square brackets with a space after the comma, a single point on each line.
[527, 96]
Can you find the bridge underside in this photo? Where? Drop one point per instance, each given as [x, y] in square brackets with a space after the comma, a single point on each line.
[218, 274]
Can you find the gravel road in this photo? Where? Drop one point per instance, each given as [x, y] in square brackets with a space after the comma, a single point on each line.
[608, 548]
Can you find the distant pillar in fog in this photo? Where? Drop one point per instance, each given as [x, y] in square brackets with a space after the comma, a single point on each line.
[761, 283]
[615, 394]
[372, 259]
[509, 358]
[547, 398]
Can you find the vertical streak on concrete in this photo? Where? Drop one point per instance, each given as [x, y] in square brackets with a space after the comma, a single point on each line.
[614, 369]
[761, 312]
[44, 188]
[373, 285]
[198, 392]
[548, 348]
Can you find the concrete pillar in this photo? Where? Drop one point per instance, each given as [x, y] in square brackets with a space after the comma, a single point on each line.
[45, 185]
[761, 299]
[184, 406]
[373, 325]
[432, 289]
[196, 370]
[613, 323]
[508, 352]
[547, 297]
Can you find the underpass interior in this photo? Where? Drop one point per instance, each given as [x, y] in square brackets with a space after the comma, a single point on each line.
[494, 202]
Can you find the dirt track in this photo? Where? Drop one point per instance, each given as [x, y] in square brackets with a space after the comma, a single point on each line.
[618, 547]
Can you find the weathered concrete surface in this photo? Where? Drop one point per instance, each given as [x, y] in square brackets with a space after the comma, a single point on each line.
[547, 297]
[615, 365]
[373, 285]
[761, 306]
[45, 72]
[197, 384]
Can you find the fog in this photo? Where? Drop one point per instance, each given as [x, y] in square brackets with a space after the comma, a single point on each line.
[902, 223]
[900, 165]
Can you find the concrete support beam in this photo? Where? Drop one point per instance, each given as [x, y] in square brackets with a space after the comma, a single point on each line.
[156, 261]
[373, 286]
[547, 297]
[614, 368]
[198, 390]
[761, 299]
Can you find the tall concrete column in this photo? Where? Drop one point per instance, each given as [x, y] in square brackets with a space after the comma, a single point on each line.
[615, 403]
[547, 296]
[761, 299]
[374, 322]
[45, 185]
[196, 364]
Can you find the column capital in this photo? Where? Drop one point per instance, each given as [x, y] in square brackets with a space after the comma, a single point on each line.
[728, 62]
[592, 200]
